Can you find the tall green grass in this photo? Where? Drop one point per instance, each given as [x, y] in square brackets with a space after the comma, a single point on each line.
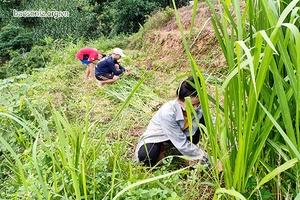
[65, 160]
[65, 149]
[65, 155]
[257, 135]
[73, 157]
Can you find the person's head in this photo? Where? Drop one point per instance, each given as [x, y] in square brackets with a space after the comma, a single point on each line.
[101, 55]
[118, 53]
[187, 90]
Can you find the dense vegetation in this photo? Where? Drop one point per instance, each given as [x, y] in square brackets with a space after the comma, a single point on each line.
[69, 20]
[62, 138]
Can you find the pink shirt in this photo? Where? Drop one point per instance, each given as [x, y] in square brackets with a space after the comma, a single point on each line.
[92, 52]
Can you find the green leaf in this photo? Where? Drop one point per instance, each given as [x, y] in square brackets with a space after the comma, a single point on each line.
[275, 172]
[230, 192]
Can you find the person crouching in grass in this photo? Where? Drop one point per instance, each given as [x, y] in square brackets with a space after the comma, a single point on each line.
[169, 127]
[109, 69]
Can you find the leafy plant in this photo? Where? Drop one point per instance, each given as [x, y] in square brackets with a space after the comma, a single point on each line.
[25, 63]
[14, 38]
[127, 13]
[261, 90]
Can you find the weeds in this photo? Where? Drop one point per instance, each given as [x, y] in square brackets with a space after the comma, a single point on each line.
[65, 139]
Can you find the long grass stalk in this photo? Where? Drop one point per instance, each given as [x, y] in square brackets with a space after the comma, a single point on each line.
[64, 130]
[203, 97]
[231, 192]
[119, 194]
[283, 134]
[247, 117]
[275, 172]
[193, 18]
[113, 177]
[257, 91]
[85, 149]
[126, 102]
[19, 164]
[39, 172]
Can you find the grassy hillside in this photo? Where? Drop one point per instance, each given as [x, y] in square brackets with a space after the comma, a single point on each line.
[54, 124]
[65, 138]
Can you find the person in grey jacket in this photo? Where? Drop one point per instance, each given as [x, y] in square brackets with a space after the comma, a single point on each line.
[170, 124]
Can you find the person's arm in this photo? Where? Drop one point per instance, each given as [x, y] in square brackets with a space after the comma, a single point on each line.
[179, 140]
[124, 68]
[113, 68]
[121, 67]
[93, 57]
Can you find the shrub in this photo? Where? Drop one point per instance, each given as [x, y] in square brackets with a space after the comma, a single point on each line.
[69, 18]
[129, 15]
[26, 62]
[14, 38]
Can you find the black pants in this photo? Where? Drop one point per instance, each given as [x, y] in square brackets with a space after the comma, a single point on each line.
[149, 153]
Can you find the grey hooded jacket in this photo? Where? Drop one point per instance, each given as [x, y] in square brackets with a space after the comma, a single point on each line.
[166, 125]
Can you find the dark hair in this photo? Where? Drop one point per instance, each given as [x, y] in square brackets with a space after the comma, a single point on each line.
[85, 56]
[186, 89]
[103, 55]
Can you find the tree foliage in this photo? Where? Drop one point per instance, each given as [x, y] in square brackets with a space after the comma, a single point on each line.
[72, 18]
[88, 19]
[13, 38]
[130, 14]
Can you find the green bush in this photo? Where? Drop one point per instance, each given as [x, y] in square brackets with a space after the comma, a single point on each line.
[129, 15]
[14, 38]
[69, 18]
[86, 18]
[81, 20]
[166, 3]
[26, 62]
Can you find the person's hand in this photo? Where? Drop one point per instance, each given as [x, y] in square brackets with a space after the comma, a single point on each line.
[117, 67]
[127, 69]
[192, 163]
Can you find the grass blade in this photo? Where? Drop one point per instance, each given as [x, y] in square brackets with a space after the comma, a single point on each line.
[147, 181]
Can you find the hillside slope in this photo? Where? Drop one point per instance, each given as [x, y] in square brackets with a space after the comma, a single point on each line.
[166, 56]
[164, 46]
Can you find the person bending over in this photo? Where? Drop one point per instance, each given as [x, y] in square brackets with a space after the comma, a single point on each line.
[170, 125]
[89, 56]
[108, 69]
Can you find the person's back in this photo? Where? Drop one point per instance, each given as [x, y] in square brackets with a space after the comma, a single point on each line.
[107, 65]
[88, 56]
[87, 53]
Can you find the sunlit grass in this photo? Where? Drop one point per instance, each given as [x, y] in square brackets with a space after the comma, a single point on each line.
[63, 138]
[260, 93]
[72, 137]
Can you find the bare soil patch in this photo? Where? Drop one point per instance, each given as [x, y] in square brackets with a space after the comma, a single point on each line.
[164, 46]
